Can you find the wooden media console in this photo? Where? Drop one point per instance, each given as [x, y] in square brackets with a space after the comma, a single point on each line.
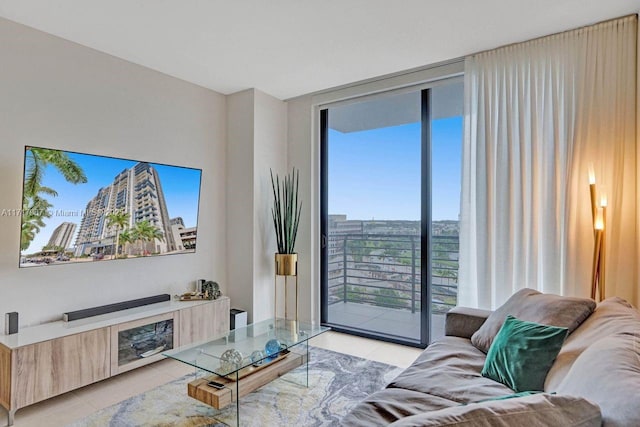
[47, 360]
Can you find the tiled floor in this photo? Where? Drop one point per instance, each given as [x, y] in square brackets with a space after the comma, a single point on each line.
[77, 404]
[394, 322]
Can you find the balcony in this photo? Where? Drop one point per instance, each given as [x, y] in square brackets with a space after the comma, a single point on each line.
[374, 282]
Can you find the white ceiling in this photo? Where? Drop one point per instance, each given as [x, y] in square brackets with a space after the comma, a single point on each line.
[292, 47]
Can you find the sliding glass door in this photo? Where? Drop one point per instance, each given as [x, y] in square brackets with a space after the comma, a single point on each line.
[378, 265]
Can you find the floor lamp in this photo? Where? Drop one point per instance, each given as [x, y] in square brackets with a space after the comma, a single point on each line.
[599, 218]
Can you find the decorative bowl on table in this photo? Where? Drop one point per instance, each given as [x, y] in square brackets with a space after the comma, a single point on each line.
[257, 357]
[272, 348]
[230, 360]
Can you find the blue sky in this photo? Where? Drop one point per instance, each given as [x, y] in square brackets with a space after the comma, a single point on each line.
[375, 174]
[181, 187]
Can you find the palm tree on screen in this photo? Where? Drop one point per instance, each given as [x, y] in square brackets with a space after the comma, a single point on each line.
[126, 236]
[120, 220]
[35, 206]
[147, 232]
[34, 211]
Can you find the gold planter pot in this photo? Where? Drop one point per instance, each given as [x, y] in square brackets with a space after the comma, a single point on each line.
[286, 264]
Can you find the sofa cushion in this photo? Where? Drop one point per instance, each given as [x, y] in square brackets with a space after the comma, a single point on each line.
[611, 316]
[608, 373]
[538, 410]
[391, 404]
[533, 306]
[522, 353]
[450, 368]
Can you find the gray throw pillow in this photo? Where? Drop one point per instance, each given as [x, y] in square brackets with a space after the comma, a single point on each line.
[608, 373]
[534, 410]
[533, 306]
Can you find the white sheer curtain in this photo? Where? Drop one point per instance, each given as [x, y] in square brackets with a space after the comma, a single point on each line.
[537, 114]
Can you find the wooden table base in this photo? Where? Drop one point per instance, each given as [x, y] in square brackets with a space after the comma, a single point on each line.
[199, 390]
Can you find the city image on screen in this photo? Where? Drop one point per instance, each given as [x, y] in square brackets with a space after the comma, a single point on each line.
[82, 207]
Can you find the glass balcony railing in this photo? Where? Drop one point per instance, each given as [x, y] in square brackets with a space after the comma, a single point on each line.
[384, 270]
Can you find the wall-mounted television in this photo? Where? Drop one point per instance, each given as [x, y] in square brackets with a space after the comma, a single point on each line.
[84, 208]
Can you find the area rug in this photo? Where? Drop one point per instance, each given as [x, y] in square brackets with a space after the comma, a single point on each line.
[336, 383]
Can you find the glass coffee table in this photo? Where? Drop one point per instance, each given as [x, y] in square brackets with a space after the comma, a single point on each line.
[247, 358]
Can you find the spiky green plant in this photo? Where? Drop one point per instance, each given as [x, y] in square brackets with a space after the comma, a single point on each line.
[286, 210]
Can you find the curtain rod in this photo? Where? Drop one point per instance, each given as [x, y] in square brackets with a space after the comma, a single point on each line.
[553, 34]
[446, 62]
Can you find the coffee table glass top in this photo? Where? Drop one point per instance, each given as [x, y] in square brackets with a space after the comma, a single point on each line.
[255, 345]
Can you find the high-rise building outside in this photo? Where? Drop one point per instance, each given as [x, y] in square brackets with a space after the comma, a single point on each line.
[62, 235]
[184, 237]
[177, 221]
[136, 191]
[339, 225]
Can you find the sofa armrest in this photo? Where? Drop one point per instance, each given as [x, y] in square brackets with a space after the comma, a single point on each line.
[464, 321]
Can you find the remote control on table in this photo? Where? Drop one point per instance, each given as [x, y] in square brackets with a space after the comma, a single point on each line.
[215, 384]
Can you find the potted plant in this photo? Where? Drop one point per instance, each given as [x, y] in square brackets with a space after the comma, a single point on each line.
[286, 217]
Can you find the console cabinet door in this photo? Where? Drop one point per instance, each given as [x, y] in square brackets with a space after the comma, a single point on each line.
[50, 368]
[204, 322]
[5, 377]
[140, 342]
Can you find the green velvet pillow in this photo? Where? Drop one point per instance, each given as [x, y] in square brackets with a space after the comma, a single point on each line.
[522, 354]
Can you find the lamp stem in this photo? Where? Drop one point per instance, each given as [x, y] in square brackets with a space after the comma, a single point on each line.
[592, 193]
[596, 262]
[603, 251]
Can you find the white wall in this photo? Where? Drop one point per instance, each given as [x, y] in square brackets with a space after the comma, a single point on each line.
[59, 94]
[270, 152]
[303, 153]
[257, 142]
[240, 199]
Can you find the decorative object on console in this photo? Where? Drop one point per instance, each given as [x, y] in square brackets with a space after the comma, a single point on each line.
[211, 290]
[599, 218]
[286, 218]
[190, 296]
[205, 290]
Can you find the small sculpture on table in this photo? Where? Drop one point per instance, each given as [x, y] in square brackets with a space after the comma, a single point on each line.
[230, 360]
[211, 290]
[205, 290]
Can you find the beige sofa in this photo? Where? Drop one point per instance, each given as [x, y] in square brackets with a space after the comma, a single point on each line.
[595, 380]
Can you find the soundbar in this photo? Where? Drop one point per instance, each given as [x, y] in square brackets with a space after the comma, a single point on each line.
[110, 308]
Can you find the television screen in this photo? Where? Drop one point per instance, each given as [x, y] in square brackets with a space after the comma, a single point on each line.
[85, 208]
